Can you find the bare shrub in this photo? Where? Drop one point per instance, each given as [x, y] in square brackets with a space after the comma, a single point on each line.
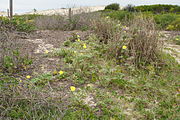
[140, 40]
[77, 22]
[144, 44]
[106, 29]
[83, 21]
[50, 22]
[11, 60]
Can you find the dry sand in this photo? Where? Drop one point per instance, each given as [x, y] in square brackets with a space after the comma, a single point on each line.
[65, 11]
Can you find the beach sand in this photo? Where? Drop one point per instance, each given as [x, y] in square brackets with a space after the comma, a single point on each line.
[65, 11]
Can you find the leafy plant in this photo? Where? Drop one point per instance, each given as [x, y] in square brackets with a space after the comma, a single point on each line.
[114, 6]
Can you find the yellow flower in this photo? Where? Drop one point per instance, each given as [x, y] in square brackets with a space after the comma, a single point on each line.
[84, 46]
[20, 81]
[107, 17]
[177, 38]
[78, 36]
[124, 47]
[46, 51]
[78, 40]
[118, 25]
[61, 72]
[72, 88]
[28, 76]
[75, 52]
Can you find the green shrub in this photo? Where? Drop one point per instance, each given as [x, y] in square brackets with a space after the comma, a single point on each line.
[11, 60]
[129, 8]
[158, 8]
[175, 25]
[163, 20]
[113, 6]
[18, 23]
[120, 15]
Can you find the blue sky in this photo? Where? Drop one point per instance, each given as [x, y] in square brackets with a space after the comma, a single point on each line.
[28, 5]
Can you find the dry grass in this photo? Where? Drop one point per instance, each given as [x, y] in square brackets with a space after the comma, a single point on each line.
[49, 22]
[106, 29]
[144, 44]
[56, 22]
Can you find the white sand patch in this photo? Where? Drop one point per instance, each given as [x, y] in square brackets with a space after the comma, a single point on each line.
[65, 11]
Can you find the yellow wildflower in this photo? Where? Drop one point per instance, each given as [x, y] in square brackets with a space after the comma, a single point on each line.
[78, 36]
[46, 51]
[20, 81]
[72, 88]
[118, 25]
[28, 76]
[107, 17]
[78, 40]
[124, 47]
[61, 72]
[177, 38]
[84, 46]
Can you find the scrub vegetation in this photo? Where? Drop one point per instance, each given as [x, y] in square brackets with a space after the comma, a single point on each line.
[110, 65]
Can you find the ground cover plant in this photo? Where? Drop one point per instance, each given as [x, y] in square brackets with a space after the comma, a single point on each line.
[117, 71]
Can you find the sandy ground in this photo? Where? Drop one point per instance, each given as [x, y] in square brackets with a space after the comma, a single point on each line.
[65, 11]
[171, 47]
[36, 44]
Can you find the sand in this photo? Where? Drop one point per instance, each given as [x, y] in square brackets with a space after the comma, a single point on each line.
[65, 11]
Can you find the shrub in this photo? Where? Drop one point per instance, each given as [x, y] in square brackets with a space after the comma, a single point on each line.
[18, 23]
[113, 6]
[163, 20]
[175, 25]
[106, 29]
[53, 22]
[121, 15]
[158, 8]
[144, 45]
[130, 8]
[137, 43]
[11, 61]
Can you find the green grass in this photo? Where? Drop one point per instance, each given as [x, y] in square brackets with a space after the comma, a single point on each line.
[165, 21]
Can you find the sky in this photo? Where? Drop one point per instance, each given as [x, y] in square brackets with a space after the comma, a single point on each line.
[21, 6]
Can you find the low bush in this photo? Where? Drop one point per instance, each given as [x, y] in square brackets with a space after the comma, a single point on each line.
[144, 45]
[114, 6]
[120, 15]
[106, 29]
[163, 20]
[50, 22]
[166, 21]
[129, 8]
[77, 22]
[175, 25]
[18, 23]
[137, 43]
[160, 8]
[11, 61]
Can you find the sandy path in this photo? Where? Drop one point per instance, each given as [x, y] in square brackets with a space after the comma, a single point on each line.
[170, 47]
